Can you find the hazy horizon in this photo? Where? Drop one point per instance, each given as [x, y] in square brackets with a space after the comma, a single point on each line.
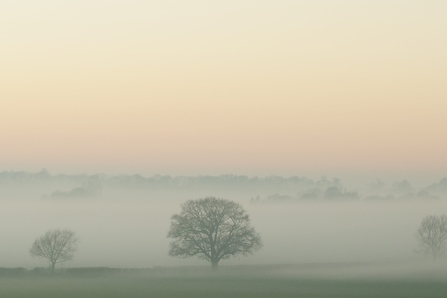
[122, 220]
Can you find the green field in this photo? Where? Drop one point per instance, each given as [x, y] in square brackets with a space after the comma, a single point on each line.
[234, 282]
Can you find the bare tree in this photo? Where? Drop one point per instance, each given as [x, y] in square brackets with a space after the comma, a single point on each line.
[432, 234]
[212, 229]
[56, 246]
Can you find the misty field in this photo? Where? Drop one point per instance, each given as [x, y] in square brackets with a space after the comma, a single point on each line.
[324, 280]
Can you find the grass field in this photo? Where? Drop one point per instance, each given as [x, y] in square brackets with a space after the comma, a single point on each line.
[231, 282]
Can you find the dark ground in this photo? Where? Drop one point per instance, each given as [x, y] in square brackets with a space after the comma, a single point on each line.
[251, 281]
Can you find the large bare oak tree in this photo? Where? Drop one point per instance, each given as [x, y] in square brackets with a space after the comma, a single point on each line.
[56, 246]
[432, 234]
[212, 229]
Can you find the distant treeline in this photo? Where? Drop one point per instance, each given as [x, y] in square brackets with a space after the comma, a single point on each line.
[260, 189]
[91, 185]
[158, 181]
[376, 191]
[337, 194]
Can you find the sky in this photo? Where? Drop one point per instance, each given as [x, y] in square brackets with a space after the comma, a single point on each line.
[214, 87]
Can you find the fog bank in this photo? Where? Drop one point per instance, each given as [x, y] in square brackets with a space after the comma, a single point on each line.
[132, 233]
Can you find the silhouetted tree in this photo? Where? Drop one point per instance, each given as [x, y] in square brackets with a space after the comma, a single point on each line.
[333, 192]
[56, 246]
[432, 234]
[402, 186]
[212, 229]
[377, 186]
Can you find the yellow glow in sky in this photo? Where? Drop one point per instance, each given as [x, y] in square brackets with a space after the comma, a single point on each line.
[210, 87]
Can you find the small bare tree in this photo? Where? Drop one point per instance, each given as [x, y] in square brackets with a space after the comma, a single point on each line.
[56, 246]
[432, 235]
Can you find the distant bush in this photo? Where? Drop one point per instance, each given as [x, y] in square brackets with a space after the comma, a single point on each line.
[19, 271]
[39, 271]
[93, 271]
[277, 198]
[76, 193]
[389, 197]
[309, 196]
[335, 193]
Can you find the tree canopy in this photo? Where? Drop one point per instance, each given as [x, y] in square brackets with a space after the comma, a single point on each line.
[56, 246]
[212, 229]
[432, 234]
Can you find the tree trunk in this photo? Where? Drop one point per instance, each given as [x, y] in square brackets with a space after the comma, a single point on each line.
[434, 253]
[214, 265]
[52, 267]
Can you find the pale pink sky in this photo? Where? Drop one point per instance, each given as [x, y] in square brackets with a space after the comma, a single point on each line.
[248, 87]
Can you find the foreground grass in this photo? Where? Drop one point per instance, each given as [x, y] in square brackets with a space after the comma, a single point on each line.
[245, 283]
